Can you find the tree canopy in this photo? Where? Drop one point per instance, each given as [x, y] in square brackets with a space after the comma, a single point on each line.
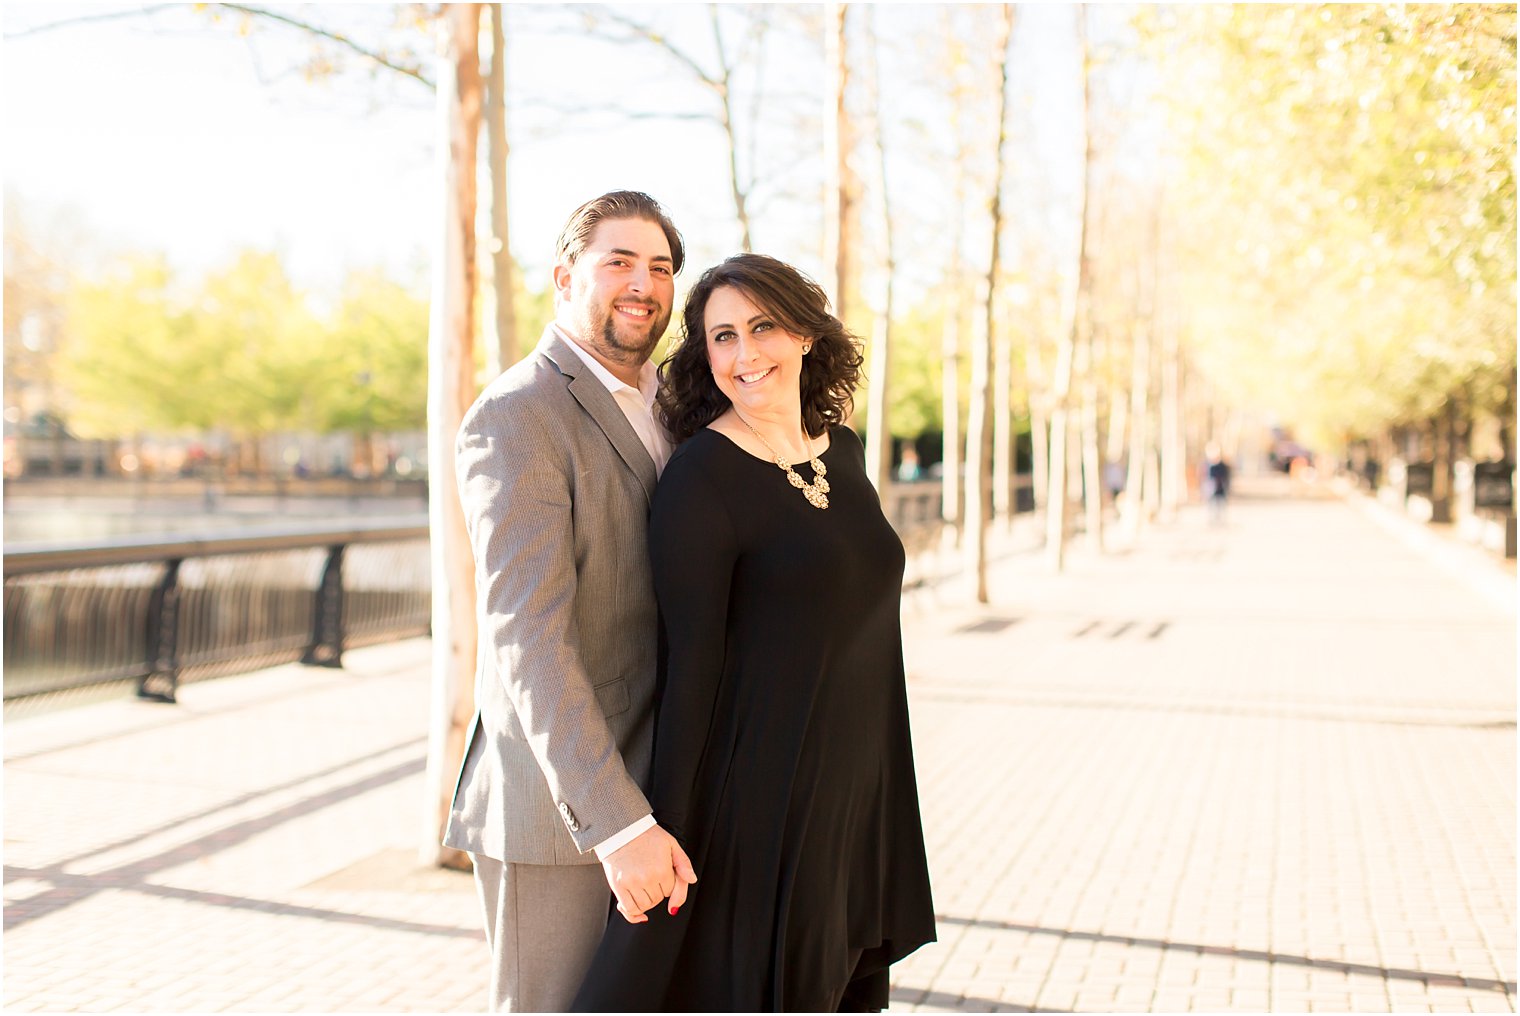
[243, 351]
[1346, 206]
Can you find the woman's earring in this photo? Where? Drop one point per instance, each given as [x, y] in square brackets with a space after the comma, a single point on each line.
[805, 347]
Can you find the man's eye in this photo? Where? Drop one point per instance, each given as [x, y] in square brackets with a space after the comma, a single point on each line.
[662, 269]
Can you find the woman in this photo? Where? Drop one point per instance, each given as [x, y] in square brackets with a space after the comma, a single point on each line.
[782, 758]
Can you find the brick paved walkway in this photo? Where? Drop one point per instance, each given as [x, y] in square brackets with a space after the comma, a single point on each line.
[1264, 766]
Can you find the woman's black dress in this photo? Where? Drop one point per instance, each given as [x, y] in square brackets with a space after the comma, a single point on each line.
[782, 759]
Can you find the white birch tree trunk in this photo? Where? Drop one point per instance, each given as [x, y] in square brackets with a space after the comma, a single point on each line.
[451, 387]
[1002, 428]
[1133, 511]
[1076, 319]
[979, 422]
[836, 152]
[951, 479]
[501, 348]
[878, 374]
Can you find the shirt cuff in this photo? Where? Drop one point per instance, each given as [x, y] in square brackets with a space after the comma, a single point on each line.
[605, 848]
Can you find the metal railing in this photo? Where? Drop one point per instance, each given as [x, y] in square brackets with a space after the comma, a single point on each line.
[159, 613]
[165, 612]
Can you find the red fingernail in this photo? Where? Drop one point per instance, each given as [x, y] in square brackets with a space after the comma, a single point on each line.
[674, 911]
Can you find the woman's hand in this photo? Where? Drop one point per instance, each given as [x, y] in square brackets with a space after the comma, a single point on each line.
[647, 869]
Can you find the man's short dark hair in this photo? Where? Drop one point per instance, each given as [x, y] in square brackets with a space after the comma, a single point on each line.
[616, 205]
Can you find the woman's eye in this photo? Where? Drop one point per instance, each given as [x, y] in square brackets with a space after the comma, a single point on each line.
[764, 326]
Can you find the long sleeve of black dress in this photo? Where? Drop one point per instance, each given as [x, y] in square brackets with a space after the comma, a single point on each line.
[783, 761]
[693, 551]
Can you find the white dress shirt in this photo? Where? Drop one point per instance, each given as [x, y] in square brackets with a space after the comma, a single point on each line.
[637, 405]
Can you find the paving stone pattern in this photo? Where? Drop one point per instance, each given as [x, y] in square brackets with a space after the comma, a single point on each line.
[1265, 766]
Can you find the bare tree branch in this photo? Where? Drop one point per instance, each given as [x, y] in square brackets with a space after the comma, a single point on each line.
[650, 35]
[90, 19]
[337, 37]
[576, 109]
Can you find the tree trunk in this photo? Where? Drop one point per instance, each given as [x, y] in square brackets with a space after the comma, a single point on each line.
[1057, 494]
[1039, 448]
[979, 424]
[726, 121]
[878, 376]
[1507, 420]
[1445, 462]
[1092, 466]
[952, 482]
[451, 386]
[979, 449]
[1140, 386]
[1039, 416]
[836, 153]
[1076, 325]
[502, 352]
[1002, 428]
[950, 408]
[1173, 449]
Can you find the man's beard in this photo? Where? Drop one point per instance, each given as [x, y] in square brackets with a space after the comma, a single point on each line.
[630, 351]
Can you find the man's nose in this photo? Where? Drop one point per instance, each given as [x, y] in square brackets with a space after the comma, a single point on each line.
[639, 278]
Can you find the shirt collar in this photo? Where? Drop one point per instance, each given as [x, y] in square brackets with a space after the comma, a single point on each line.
[648, 376]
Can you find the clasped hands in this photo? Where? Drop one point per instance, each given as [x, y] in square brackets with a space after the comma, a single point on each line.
[647, 869]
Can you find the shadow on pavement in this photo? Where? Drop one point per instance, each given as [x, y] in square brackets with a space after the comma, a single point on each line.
[68, 888]
[959, 1003]
[1339, 966]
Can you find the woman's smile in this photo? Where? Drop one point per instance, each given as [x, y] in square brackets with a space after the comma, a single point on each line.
[754, 377]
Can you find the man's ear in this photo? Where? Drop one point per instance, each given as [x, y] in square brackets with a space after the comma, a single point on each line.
[561, 278]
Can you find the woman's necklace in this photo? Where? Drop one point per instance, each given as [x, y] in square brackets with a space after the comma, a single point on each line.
[817, 492]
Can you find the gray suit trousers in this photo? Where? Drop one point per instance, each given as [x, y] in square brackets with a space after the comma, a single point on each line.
[543, 923]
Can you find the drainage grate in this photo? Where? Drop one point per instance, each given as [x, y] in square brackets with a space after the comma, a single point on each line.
[987, 626]
[1120, 629]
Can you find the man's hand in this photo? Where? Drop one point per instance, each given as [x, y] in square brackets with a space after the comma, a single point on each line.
[647, 869]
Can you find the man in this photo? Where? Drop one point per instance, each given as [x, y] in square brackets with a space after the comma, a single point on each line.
[557, 460]
[1216, 482]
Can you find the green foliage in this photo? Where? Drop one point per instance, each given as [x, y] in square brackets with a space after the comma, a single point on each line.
[913, 401]
[243, 352]
[535, 309]
[1347, 216]
[130, 356]
[376, 358]
[262, 346]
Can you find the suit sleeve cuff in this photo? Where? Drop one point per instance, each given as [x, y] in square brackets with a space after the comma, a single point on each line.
[605, 848]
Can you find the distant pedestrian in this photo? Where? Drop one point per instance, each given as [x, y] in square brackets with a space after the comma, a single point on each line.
[1216, 483]
[908, 469]
[1113, 479]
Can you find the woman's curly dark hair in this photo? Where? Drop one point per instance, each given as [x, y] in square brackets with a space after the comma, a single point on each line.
[689, 397]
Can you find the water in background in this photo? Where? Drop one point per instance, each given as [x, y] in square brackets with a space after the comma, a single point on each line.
[46, 519]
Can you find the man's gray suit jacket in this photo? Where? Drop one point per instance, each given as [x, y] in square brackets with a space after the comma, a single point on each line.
[556, 487]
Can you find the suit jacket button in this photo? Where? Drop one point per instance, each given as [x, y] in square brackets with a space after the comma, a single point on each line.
[564, 809]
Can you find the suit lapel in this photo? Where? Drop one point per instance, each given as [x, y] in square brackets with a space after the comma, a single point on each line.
[599, 404]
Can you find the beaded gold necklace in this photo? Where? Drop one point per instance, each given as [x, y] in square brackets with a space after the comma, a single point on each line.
[817, 492]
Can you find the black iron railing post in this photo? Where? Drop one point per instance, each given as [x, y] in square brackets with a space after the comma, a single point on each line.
[326, 649]
[160, 682]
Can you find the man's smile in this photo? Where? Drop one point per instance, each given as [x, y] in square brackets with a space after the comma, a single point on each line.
[637, 311]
